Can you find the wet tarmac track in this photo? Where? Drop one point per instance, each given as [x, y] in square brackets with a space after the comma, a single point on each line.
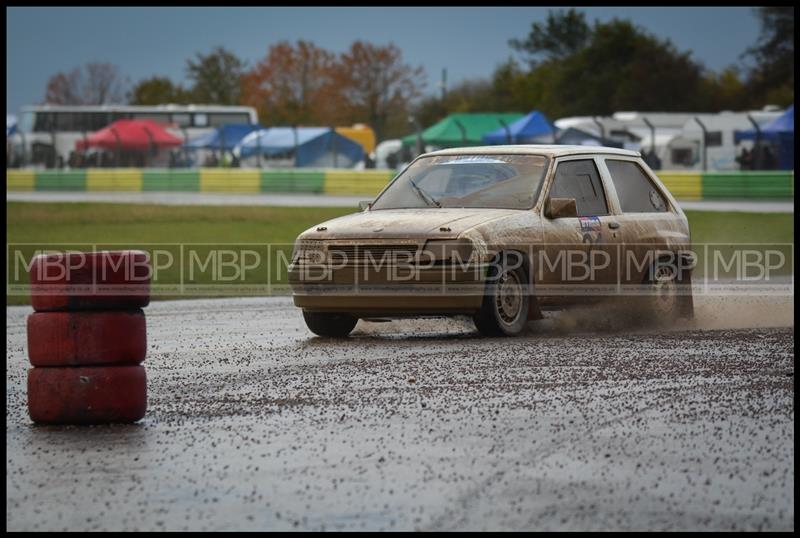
[254, 423]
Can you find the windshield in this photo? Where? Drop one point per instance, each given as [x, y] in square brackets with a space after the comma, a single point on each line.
[490, 181]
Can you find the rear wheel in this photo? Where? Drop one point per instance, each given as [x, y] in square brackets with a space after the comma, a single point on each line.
[504, 310]
[332, 324]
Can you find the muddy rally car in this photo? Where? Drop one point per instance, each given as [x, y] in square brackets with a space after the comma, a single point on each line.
[499, 234]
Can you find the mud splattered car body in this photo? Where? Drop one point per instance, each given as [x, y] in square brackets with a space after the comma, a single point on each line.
[497, 233]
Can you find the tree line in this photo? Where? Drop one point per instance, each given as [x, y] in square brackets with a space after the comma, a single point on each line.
[567, 67]
[563, 67]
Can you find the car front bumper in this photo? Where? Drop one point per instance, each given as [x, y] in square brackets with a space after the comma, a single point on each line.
[397, 291]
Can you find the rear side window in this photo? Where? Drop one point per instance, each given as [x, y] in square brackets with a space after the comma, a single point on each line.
[580, 180]
[636, 192]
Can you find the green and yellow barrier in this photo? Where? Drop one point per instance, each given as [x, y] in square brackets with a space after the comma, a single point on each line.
[367, 182]
[61, 180]
[293, 180]
[20, 180]
[683, 185]
[177, 180]
[114, 179]
[229, 180]
[749, 185]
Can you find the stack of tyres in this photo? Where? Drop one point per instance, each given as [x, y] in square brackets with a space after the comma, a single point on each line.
[87, 337]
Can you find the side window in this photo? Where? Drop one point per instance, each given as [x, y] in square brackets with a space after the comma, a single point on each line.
[714, 139]
[636, 192]
[580, 180]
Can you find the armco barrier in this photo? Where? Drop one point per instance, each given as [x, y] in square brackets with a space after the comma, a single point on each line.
[683, 185]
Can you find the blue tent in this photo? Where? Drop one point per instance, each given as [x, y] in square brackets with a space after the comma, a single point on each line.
[310, 146]
[779, 132]
[525, 130]
[224, 137]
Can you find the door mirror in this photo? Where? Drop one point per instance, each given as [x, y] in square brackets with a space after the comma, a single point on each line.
[363, 205]
[559, 208]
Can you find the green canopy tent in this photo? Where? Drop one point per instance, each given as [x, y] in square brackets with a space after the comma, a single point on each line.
[464, 129]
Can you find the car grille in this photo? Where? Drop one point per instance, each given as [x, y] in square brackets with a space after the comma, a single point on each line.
[371, 253]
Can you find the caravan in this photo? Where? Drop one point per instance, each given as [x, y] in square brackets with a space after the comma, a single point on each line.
[647, 132]
[674, 140]
[687, 151]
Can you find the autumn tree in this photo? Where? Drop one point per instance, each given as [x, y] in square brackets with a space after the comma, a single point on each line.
[302, 84]
[65, 88]
[96, 84]
[375, 84]
[216, 77]
[293, 85]
[159, 90]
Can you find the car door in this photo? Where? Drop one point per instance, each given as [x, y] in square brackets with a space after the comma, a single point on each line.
[580, 251]
[648, 227]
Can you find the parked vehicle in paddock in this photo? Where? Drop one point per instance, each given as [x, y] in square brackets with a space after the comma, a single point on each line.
[499, 233]
[47, 134]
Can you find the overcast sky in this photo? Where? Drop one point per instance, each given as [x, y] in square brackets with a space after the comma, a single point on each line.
[469, 42]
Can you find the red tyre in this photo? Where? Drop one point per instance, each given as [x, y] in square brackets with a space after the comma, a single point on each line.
[87, 338]
[98, 395]
[103, 280]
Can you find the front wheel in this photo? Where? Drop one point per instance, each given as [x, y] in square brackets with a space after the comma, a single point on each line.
[504, 310]
[664, 300]
[331, 324]
[670, 295]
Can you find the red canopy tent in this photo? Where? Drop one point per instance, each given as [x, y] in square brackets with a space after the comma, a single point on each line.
[129, 135]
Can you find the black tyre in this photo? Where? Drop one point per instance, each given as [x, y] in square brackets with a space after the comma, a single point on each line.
[332, 324]
[504, 311]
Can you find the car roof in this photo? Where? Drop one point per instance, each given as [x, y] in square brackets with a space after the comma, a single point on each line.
[552, 150]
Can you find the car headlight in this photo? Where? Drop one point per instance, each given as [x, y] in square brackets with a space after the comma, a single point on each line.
[308, 250]
[450, 250]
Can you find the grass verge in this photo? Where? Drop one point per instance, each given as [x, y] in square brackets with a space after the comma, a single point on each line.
[55, 225]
